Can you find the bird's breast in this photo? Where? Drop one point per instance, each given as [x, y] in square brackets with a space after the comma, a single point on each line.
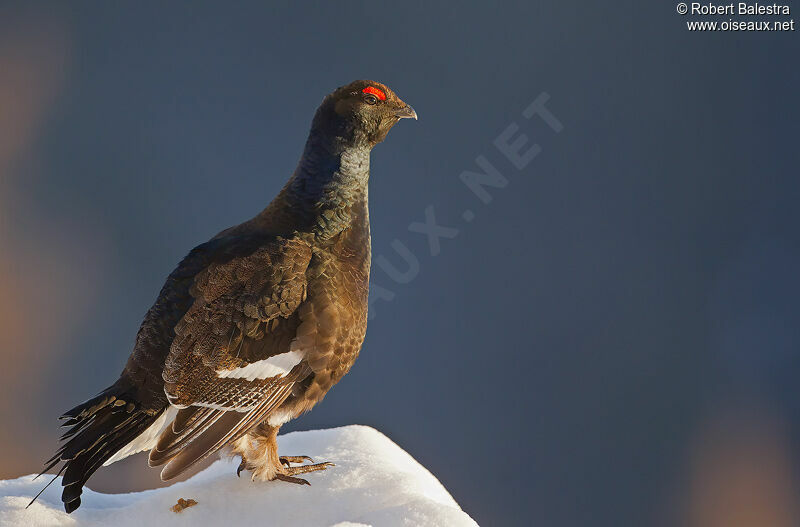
[334, 317]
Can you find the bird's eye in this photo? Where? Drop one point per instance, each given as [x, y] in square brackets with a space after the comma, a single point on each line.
[370, 99]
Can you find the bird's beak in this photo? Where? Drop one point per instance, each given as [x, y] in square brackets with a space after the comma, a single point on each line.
[406, 112]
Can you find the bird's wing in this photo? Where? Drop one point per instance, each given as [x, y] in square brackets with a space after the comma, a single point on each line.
[235, 356]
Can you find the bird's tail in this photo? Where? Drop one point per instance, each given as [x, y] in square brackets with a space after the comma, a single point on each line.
[98, 428]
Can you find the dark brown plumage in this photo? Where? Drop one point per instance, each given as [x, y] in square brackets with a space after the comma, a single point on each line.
[255, 326]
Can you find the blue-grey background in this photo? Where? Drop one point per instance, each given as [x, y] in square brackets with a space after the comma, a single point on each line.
[613, 340]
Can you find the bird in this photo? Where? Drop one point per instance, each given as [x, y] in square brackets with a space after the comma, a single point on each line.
[253, 327]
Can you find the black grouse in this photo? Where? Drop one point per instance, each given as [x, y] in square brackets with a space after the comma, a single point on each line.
[254, 326]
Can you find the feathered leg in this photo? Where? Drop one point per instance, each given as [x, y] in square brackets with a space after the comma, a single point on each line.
[259, 452]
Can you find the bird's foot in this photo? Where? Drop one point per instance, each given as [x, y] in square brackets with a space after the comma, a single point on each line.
[284, 471]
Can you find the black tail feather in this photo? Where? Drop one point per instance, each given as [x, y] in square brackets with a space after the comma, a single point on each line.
[100, 427]
[48, 484]
[88, 463]
[90, 407]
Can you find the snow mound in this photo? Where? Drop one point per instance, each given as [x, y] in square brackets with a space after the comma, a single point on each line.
[374, 483]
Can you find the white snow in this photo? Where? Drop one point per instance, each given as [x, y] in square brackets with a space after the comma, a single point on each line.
[374, 483]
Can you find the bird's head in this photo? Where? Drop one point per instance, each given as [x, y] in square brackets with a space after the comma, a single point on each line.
[361, 113]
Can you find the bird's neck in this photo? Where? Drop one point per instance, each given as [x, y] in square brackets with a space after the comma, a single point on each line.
[327, 192]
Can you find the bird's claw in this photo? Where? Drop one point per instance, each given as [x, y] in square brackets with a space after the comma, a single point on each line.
[288, 460]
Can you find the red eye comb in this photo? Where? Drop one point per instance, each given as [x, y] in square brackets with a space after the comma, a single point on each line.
[376, 92]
